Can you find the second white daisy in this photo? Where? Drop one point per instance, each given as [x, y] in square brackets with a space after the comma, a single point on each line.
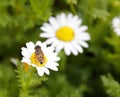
[116, 25]
[40, 56]
[65, 32]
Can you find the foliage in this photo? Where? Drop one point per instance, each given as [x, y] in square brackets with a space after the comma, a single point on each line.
[112, 87]
[78, 76]
[28, 80]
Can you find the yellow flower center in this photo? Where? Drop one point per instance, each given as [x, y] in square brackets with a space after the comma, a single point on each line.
[34, 60]
[65, 33]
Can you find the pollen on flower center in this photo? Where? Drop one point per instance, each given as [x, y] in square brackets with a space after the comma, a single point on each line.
[34, 60]
[65, 33]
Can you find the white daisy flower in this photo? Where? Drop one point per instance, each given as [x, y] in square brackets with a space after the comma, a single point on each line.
[40, 56]
[116, 25]
[66, 32]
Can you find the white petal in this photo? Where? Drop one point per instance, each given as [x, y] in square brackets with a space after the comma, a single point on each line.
[34, 65]
[51, 67]
[45, 70]
[47, 28]
[30, 46]
[73, 21]
[49, 54]
[25, 60]
[117, 30]
[14, 61]
[81, 29]
[53, 22]
[25, 52]
[55, 43]
[63, 19]
[55, 64]
[116, 21]
[40, 71]
[53, 54]
[46, 35]
[118, 33]
[73, 50]
[60, 46]
[83, 36]
[67, 49]
[38, 43]
[42, 45]
[69, 18]
[77, 23]
[51, 49]
[58, 20]
[84, 44]
[50, 40]
[54, 58]
[77, 47]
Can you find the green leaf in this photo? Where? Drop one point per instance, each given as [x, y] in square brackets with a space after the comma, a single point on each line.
[42, 8]
[72, 1]
[111, 86]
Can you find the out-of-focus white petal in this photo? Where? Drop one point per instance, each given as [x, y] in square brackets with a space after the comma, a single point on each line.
[63, 19]
[116, 25]
[14, 61]
[53, 22]
[83, 36]
[60, 46]
[77, 47]
[50, 40]
[46, 35]
[84, 44]
[47, 28]
[74, 51]
[81, 29]
[67, 49]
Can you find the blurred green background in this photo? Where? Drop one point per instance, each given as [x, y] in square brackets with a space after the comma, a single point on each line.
[78, 76]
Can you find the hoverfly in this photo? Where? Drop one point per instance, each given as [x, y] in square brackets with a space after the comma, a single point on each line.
[39, 54]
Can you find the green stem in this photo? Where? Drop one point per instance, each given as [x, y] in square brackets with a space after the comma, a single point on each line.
[62, 61]
[72, 8]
